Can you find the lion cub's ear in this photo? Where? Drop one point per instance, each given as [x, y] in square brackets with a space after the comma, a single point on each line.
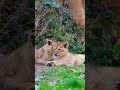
[65, 45]
[49, 42]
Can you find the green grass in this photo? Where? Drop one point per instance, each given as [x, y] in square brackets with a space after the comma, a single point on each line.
[65, 79]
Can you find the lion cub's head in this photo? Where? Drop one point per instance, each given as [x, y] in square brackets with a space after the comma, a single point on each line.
[59, 49]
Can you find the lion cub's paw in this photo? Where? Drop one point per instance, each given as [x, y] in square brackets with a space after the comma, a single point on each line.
[51, 64]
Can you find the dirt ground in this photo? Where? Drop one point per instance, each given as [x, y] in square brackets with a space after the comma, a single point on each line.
[40, 68]
[40, 72]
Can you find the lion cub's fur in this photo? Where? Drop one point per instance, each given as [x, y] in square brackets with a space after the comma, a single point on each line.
[44, 54]
[57, 53]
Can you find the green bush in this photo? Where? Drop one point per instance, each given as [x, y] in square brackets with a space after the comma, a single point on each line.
[99, 49]
[14, 24]
[59, 25]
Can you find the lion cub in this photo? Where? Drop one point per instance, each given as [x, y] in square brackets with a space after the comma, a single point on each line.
[44, 54]
[56, 53]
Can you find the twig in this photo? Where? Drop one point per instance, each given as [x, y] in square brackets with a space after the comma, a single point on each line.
[90, 26]
[44, 27]
[13, 16]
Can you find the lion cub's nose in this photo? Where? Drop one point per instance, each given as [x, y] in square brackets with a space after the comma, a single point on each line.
[56, 55]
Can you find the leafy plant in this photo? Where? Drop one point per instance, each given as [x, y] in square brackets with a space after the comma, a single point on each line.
[59, 25]
[99, 49]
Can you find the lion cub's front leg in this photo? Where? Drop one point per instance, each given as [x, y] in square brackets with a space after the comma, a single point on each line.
[61, 63]
[53, 63]
[57, 63]
[43, 62]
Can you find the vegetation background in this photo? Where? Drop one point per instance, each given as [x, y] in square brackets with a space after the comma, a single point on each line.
[16, 19]
[54, 21]
[99, 19]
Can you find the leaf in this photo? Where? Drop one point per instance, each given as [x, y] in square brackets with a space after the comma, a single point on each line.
[56, 5]
[47, 2]
[52, 83]
[55, 13]
[74, 71]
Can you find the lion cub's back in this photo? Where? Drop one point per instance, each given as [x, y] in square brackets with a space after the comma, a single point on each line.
[79, 59]
[43, 53]
[39, 52]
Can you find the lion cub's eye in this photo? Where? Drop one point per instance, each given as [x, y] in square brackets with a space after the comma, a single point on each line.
[58, 49]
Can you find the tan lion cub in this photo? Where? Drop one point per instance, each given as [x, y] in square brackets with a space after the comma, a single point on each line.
[56, 53]
[44, 54]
